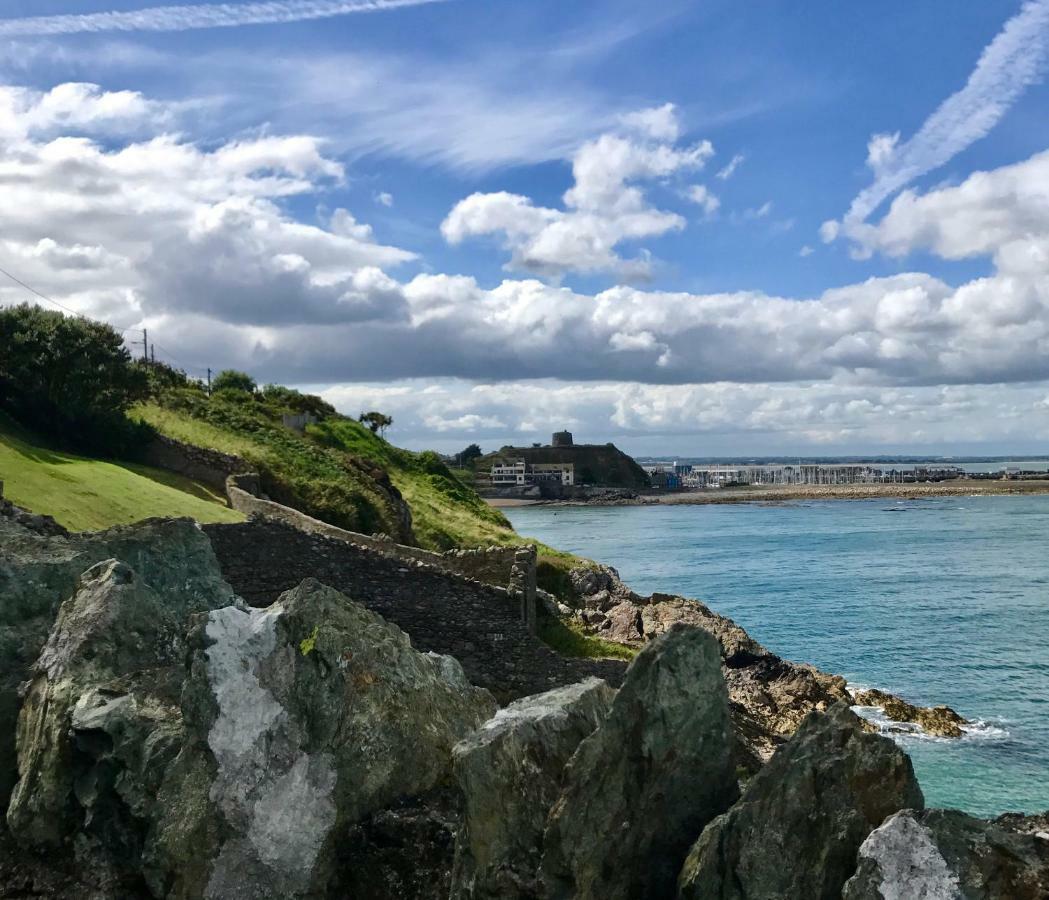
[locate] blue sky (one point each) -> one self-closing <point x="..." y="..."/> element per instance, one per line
<point x="672" y="301"/>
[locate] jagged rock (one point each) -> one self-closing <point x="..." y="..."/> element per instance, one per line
<point x="941" y="721"/>
<point x="797" y="827"/>
<point x="510" y="773"/>
<point x="404" y="851"/>
<point x="102" y="707"/>
<point x="639" y="790"/>
<point x="947" y="855"/>
<point x="302" y="719"/>
<point x="40" y="571"/>
<point x="769" y="695"/>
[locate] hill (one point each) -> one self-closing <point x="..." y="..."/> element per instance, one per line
<point x="337" y="470"/>
<point x="603" y="465"/>
<point x="83" y="494"/>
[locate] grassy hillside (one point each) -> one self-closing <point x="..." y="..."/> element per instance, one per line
<point x="336" y="471"/>
<point x="86" y="494"/>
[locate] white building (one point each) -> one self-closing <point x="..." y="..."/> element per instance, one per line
<point x="506" y="473"/>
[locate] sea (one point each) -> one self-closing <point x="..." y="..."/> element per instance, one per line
<point x="942" y="601"/>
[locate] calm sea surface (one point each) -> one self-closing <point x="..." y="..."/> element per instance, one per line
<point x="941" y="601"/>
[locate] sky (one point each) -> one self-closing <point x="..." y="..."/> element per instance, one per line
<point x="696" y="229"/>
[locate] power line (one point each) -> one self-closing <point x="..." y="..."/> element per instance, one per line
<point x="33" y="290"/>
<point x="74" y="312"/>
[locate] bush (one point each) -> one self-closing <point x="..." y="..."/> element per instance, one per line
<point x="231" y="378"/>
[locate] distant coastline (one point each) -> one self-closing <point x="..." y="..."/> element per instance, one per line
<point x="961" y="487"/>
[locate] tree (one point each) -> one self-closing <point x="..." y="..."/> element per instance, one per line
<point x="231" y="379"/>
<point x="376" y="421"/>
<point x="68" y="376"/>
<point x="465" y="457"/>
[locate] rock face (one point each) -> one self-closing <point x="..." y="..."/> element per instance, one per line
<point x="302" y="718"/>
<point x="769" y="695"/>
<point x="639" y="790"/>
<point x="100" y="710"/>
<point x="39" y="570"/>
<point x="801" y="819"/>
<point x="941" y="721"/>
<point x="510" y="774"/>
<point x="947" y="855"/>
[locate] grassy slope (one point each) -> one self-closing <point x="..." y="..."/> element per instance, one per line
<point x="85" y="494"/>
<point x="446" y="511"/>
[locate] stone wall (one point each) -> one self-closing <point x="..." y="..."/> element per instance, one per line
<point x="479" y="624"/>
<point x="513" y="568"/>
<point x="199" y="463"/>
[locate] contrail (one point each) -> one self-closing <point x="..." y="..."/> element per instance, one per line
<point x="1012" y="62"/>
<point x="184" y="18"/>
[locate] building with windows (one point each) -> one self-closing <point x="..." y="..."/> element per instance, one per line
<point x="510" y="472"/>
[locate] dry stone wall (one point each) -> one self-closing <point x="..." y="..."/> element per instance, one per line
<point x="511" y="567"/>
<point x="441" y="611"/>
<point x="199" y="463"/>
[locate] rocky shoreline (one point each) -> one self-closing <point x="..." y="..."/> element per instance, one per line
<point x="172" y="742"/>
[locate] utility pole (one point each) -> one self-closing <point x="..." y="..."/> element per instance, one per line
<point x="209" y="381"/>
<point x="152" y="354"/>
<point x="145" y="345"/>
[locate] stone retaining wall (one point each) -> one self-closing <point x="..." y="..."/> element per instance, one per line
<point x="513" y="568"/>
<point x="199" y="463"/>
<point x="479" y="624"/>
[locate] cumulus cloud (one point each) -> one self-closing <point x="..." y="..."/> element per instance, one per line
<point x="1005" y="211"/>
<point x="1012" y="62"/>
<point x="709" y="419"/>
<point x="198" y="243"/>
<point x="604" y="207"/>
<point x="161" y="225"/>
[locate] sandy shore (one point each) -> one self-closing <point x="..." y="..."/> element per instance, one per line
<point x="780" y="493"/>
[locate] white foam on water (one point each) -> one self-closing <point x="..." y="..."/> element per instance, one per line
<point x="901" y="732"/>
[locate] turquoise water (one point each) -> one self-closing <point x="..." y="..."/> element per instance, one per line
<point x="941" y="601"/>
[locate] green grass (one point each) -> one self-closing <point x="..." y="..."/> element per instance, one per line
<point x="86" y="494"/>
<point x="446" y="511"/>
<point x="568" y="639"/>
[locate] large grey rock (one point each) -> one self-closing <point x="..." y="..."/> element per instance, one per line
<point x="38" y="571"/>
<point x="510" y="774"/>
<point x="301" y="719"/>
<point x="947" y="855"/>
<point x="797" y="827"/>
<point x="770" y="696"/>
<point x="91" y="715"/>
<point x="639" y="790"/>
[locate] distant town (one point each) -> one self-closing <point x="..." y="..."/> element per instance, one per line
<point x="564" y="469"/>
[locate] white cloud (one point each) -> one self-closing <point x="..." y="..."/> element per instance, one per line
<point x="604" y="207"/>
<point x="659" y="122"/>
<point x="1005" y="211"/>
<point x="729" y="170"/>
<point x="384" y="198"/>
<point x="806" y="250"/>
<point x="205" y="15"/>
<point x="1012" y="62"/>
<point x="710" y="419"/>
<point x="196" y="242"/>
<point x="160" y="225"/>
<point x="701" y="196"/>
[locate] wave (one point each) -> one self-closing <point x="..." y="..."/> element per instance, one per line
<point x="974" y="730"/>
